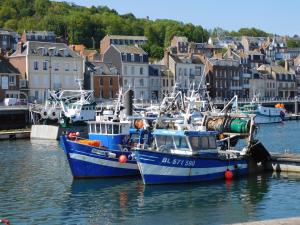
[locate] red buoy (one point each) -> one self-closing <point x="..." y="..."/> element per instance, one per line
<point x="5" y="221"/>
<point x="228" y="174"/>
<point x="122" y="158"/>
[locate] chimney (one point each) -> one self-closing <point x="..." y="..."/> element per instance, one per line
<point x="286" y="65"/>
<point x="166" y="58"/>
<point x="19" y="47"/>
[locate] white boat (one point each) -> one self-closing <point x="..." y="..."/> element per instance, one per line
<point x="263" y="114"/>
<point x="65" y="107"/>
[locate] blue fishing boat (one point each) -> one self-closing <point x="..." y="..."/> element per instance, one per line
<point x="104" y="154"/>
<point x="107" y="151"/>
<point x="181" y="156"/>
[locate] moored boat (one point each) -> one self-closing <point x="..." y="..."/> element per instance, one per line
<point x="104" y="154"/>
<point x="107" y="151"/>
<point x="187" y="156"/>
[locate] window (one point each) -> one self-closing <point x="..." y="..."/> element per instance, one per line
<point x="141" y="82"/>
<point x="125" y="70"/>
<point x="123" y="57"/>
<point x="185" y="72"/>
<point x="75" y="67"/>
<point x="12" y="80"/>
<point x="56" y="67"/>
<point x="125" y="82"/>
<point x="101" y="81"/>
<point x="36" y="65"/>
<point x="141" y="70"/>
<point x="132" y="70"/>
<point x="180" y="142"/>
<point x="45" y="65"/>
<point x="67" y="66"/>
<point x="110" y="81"/>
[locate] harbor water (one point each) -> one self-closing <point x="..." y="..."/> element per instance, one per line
<point x="36" y="187"/>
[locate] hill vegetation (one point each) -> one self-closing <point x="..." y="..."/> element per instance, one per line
<point x="82" y="25"/>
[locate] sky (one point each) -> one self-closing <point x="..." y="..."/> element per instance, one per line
<point x="273" y="16"/>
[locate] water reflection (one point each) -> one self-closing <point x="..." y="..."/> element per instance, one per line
<point x="128" y="201"/>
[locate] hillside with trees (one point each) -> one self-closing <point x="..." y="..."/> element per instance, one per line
<point x="82" y="25"/>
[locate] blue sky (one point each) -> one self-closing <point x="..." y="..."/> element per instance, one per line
<point x="273" y="16"/>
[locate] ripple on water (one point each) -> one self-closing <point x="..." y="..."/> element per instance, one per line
<point x="36" y="188"/>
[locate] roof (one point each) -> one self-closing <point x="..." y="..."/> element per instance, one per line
<point x="181" y="39"/>
<point x="6" y="67"/>
<point x="183" y="133"/>
<point x="131" y="49"/>
<point x="32" y="47"/>
<point x="276" y="69"/>
<point x="224" y="62"/>
<point x="253" y="53"/>
<point x="45" y="33"/>
<point x="125" y="37"/>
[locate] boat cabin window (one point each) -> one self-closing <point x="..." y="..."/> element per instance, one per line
<point x="165" y="140"/>
<point x="103" y="129"/>
<point x="202" y="143"/>
<point x="180" y="142"/>
<point x="116" y="129"/>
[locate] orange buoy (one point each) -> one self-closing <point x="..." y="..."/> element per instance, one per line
<point x="122" y="158"/>
<point x="228" y="174"/>
<point x="138" y="124"/>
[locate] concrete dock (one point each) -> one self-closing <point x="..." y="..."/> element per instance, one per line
<point x="15" y="134"/>
<point x="285" y="162"/>
<point x="284" y="221"/>
<point x="292" y="117"/>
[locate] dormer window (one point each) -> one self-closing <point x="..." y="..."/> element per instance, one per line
<point x="41" y="51"/>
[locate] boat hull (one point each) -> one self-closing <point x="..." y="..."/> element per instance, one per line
<point x="159" y="168"/>
<point x="91" y="162"/>
<point x="261" y="119"/>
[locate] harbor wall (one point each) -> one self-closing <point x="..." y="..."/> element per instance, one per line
<point x="13" y="118"/>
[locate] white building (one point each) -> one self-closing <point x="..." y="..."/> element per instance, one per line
<point x="47" y="66"/>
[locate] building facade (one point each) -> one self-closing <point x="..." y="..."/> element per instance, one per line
<point x="9" y="80"/>
<point x="47" y="66"/>
<point x="133" y="65"/>
<point x="109" y="40"/>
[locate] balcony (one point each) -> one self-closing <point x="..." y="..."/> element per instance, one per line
<point x="235" y="78"/>
<point x="246" y="86"/>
